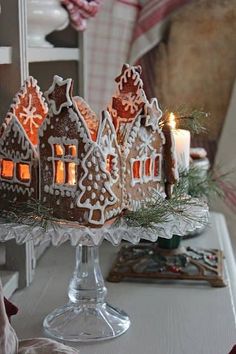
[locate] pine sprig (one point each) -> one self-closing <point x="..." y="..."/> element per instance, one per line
<point x="31" y="213"/>
<point x="193" y="120"/>
<point x="201" y="184"/>
<point x="159" y="210"/>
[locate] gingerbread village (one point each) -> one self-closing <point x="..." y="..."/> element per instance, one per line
<point x="85" y="168"/>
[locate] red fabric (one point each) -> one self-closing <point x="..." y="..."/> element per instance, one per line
<point x="11" y="309"/>
<point x="80" y="10"/>
<point x="233" y="351"/>
<point x="154" y="12"/>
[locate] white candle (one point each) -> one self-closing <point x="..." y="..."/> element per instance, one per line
<point x="182" y="145"/>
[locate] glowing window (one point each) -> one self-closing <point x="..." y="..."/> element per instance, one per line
<point x="7" y="169"/>
<point x="59" y="172"/>
<point x="58" y="150"/>
<point x="136" y="169"/>
<point x="23" y="172"/>
<point x="71" y="150"/>
<point x="156" y="166"/>
<point x="148" y="167"/>
<point x="109" y="163"/>
<point x="71" y="173"/>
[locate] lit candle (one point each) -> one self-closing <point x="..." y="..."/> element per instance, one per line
<point x="182" y="144"/>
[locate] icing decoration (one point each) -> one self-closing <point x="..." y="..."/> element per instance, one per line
<point x="30" y="109"/>
<point x="86" y="169"/>
<point x="153" y="114"/>
<point x="129" y="99"/>
<point x="59" y="94"/>
<point x="96" y="198"/>
<point x="88" y="115"/>
<point x="107" y="140"/>
<point x="18" y="163"/>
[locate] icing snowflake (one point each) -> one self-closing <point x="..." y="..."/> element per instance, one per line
<point x="131" y="102"/>
<point x="147" y="140"/>
<point x="29" y="115"/>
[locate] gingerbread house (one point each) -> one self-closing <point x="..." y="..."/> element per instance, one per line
<point x="19" y="142"/>
<point x="137" y="124"/>
<point x="82" y="167"/>
<point x="74" y="174"/>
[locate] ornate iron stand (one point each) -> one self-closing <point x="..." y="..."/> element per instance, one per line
<point x="148" y="261"/>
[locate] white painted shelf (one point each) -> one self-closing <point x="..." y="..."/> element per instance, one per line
<point x="9" y="282"/>
<point x="5" y="55"/>
<point x="53" y="54"/>
<point x="166" y="317"/>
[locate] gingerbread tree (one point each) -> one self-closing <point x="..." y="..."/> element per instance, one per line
<point x="30" y="108"/>
<point x="96" y="193"/>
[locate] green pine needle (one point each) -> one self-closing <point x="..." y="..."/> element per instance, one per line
<point x="193" y="120"/>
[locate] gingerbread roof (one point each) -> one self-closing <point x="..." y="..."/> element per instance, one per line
<point x="14" y="142"/>
<point x="129" y="98"/>
<point x="88" y="115"/>
<point x="60" y="97"/>
<point x="29" y="108"/>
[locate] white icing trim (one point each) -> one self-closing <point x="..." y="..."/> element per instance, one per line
<point x="29" y="82"/>
<point x="63" y="142"/>
<point x="95" y="149"/>
<point x="15" y="126"/>
<point x="58" y="81"/>
<point x="108" y="144"/>
<point x="153" y="114"/>
<point x="16" y="188"/>
<point x="142" y="169"/>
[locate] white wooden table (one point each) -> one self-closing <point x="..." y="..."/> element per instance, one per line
<point x="167" y="318"/>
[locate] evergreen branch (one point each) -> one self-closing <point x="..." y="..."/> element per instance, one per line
<point x="32" y="213"/>
<point x="194" y="121"/>
<point x="204" y="184"/>
<point x="159" y="210"/>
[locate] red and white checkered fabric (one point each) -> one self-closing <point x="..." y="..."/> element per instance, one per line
<point x="151" y="24"/>
<point x="108" y="43"/>
<point x="123" y="31"/>
<point x="80" y="10"/>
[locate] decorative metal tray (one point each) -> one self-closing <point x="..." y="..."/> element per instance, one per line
<point x="149" y="262"/>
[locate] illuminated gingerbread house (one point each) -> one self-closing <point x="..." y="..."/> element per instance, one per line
<point x="19" y="142"/>
<point x="84" y="168"/>
<point x="137" y="124"/>
<point x="75" y="177"/>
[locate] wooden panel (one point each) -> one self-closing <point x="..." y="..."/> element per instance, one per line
<point x="5" y="55"/>
<point x="13" y="34"/>
<point x="52" y="54"/>
<point x="10" y="281"/>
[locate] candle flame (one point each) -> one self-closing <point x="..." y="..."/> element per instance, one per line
<point x="172" y="121"/>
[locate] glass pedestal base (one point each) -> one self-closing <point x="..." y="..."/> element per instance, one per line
<point x="86" y="317"/>
<point x="85" y="323"/>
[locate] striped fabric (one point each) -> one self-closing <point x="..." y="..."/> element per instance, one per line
<point x="123" y="31"/>
<point x="152" y="21"/>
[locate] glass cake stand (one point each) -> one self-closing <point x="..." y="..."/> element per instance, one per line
<point x="87" y="317"/>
